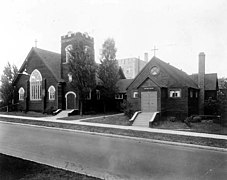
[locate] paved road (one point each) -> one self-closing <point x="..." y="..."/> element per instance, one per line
<point x="111" y="157"/>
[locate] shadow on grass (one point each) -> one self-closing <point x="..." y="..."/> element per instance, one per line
<point x="12" y="168"/>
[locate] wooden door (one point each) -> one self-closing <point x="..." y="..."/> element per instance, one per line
<point x="71" y="101"/>
<point x="149" y="101"/>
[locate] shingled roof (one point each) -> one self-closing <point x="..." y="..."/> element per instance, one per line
<point x="181" y="78"/>
<point x="52" y="60"/>
<point x="122" y="84"/>
<point x="211" y="80"/>
<point x="176" y="77"/>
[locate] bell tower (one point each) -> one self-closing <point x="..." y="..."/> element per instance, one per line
<point x="67" y="43"/>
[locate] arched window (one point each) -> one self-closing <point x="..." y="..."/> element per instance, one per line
<point x="51" y="92"/>
<point x="21" y="94"/>
<point x="35" y="85"/>
<point x="68" y="54"/>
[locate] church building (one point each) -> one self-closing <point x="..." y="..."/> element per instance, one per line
<point x="43" y="81"/>
<point x="160" y="87"/>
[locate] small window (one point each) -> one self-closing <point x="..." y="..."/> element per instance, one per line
<point x="68" y="53"/>
<point x="51" y="92"/>
<point x="191" y="94"/>
<point x="118" y="96"/>
<point x="196" y="94"/>
<point x="21" y="94"/>
<point x="174" y="93"/>
<point x="97" y="94"/>
<point x="88" y="97"/>
<point x="70" y="77"/>
<point x="135" y="94"/>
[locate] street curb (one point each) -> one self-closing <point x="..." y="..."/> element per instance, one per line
<point x="152" y="130"/>
<point x="125" y="137"/>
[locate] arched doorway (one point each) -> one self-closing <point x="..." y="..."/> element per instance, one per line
<point x="71" y="101"/>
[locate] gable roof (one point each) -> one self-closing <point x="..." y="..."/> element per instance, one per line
<point x="176" y="77"/>
<point x="52" y="60"/>
<point x="211" y="80"/>
<point x="122" y="84"/>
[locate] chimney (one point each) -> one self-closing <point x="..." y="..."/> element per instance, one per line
<point x="201" y="82"/>
<point x="146" y="57"/>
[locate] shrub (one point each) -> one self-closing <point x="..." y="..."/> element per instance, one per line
<point x="127" y="108"/>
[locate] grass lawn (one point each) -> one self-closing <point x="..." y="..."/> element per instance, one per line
<point x="27" y="114"/>
<point x="202" y="127"/>
<point x="205" y="127"/>
<point x="116" y="120"/>
<point x="77" y="117"/>
<point x="148" y="135"/>
<point x="12" y="168"/>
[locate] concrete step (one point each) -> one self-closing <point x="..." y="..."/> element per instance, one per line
<point x="143" y="119"/>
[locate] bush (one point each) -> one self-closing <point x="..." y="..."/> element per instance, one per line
<point x="50" y="110"/>
<point x="212" y="107"/>
<point x="127" y="108"/>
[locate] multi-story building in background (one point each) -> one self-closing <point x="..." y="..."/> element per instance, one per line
<point x="132" y="66"/>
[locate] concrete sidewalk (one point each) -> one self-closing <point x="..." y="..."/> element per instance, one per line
<point x="153" y="130"/>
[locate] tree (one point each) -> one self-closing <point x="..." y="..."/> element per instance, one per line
<point x="108" y="71"/>
<point x="6" y="89"/>
<point x="83" y="70"/>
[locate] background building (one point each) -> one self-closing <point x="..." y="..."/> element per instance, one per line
<point x="132" y="66"/>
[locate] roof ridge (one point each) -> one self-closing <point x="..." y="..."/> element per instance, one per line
<point x="47" y="65"/>
<point x="35" y="48"/>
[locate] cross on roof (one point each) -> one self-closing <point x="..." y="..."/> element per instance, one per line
<point x="154" y="50"/>
<point x="36" y="42"/>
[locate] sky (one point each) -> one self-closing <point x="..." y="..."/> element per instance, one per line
<point x="180" y="29"/>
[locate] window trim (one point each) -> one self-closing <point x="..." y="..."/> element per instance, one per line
<point x="135" y="94"/>
<point x="68" y="48"/>
<point x="175" y="90"/>
<point x="53" y="93"/>
<point x="21" y="94"/>
<point x="35" y="86"/>
<point x="119" y="96"/>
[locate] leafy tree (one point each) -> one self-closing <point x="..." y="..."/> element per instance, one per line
<point x="83" y="69"/>
<point x="108" y="71"/>
<point x="6" y="89"/>
<point x="121" y="74"/>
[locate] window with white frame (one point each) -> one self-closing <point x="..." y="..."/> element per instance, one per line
<point x="118" y="96"/>
<point x="68" y="51"/>
<point x="175" y="93"/>
<point x="21" y="94"/>
<point x="135" y="94"/>
<point x="35" y="85"/>
<point x="98" y="94"/>
<point x="51" y="92"/>
<point x="70" y="77"/>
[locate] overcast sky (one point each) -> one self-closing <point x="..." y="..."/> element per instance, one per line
<point x="180" y="29"/>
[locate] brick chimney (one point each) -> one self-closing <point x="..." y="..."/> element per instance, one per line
<point x="201" y="82"/>
<point x="146" y="57"/>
